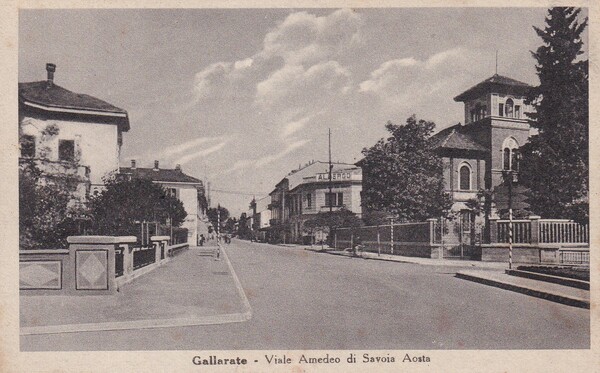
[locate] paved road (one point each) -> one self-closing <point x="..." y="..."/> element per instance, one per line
<point x="307" y="300"/>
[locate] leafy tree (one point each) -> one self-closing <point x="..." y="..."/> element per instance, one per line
<point x="324" y="221"/>
<point x="244" y="230"/>
<point x="403" y="175"/>
<point x="45" y="217"/>
<point x="212" y="215"/>
<point x="555" y="163"/>
<point x="124" y="202"/>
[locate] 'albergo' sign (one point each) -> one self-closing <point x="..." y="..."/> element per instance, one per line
<point x="335" y="176"/>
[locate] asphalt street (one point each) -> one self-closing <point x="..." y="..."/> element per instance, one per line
<point x="304" y="300"/>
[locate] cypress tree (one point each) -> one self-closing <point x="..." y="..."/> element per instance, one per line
<point x="555" y="163"/>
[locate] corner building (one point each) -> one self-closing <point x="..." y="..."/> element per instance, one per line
<point x="304" y="192"/>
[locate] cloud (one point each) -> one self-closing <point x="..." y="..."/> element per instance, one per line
<point x="304" y="38"/>
<point x="246" y="164"/>
<point x="180" y="148"/>
<point x="294" y="85"/>
<point x="291" y="128"/>
<point x="201" y="153"/>
<point x="421" y="85"/>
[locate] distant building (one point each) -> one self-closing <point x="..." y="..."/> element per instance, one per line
<point x="260" y="217"/>
<point x="305" y="192"/>
<point x="68" y="134"/>
<point x="187" y="189"/>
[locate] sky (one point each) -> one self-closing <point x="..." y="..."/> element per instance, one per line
<point x="240" y="97"/>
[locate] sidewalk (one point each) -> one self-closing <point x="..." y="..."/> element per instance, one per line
<point x="192" y="289"/>
<point x="535" y="288"/>
<point x="409" y="259"/>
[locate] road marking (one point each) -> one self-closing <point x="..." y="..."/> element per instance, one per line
<point x="238" y="285"/>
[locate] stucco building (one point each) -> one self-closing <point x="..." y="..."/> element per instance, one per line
<point x="188" y="189"/>
<point x="304" y="193"/>
<point x="69" y="134"/>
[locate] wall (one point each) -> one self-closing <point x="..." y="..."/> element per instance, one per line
<point x="188" y="194"/>
<point x="502" y="128"/>
<point x="97" y="143"/>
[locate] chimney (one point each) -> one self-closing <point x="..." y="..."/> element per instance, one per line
<point x="155" y="165"/>
<point x="50" y="68"/>
<point x="178" y="167"/>
<point x="133" y="164"/>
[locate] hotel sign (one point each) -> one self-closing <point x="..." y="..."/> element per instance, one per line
<point x="335" y="176"/>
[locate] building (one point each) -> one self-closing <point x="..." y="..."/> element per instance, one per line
<point x="305" y="192"/>
<point x="68" y="134"/>
<point x="187" y="189"/>
<point x="476" y="154"/>
<point x="260" y="217"/>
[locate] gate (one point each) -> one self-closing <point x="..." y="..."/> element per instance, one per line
<point x="462" y="237"/>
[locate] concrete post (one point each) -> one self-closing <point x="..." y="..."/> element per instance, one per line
<point x="127" y="260"/>
<point x="159" y="243"/>
<point x="534" y="225"/>
<point x="93" y="263"/>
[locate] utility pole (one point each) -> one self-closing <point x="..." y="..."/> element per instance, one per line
<point x="510" y="219"/>
<point x="330" y="169"/>
<point x="330" y="188"/>
<point x="219" y="222"/>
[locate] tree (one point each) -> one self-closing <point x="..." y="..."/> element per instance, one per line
<point x="403" y="175"/>
<point x="555" y="164"/>
<point x="119" y="208"/>
<point x="324" y="221"/>
<point x="45" y="217"/>
<point x="212" y="215"/>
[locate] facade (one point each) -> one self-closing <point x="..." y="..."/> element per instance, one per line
<point x="304" y="192"/>
<point x="187" y="189"/>
<point x="67" y="134"/>
<point x="260" y="217"/>
<point x="476" y="154"/>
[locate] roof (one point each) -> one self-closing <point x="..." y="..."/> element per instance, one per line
<point x="308" y="173"/>
<point x="451" y="138"/>
<point x="496" y="83"/>
<point x="160" y="175"/>
<point x="48" y="96"/>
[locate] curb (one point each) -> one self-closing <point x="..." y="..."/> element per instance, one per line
<point x="153" y="323"/>
<point x="400" y="259"/>
<point x="565" y="281"/>
<point x="570" y="301"/>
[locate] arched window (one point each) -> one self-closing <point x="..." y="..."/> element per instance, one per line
<point x="510" y="154"/>
<point x="464" y="180"/>
<point x="509" y="108"/>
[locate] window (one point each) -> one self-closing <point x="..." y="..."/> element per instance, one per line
<point x="517" y="111"/>
<point x="514" y="161"/>
<point x="501" y="110"/>
<point x="66" y="150"/>
<point x="509" y="108"/>
<point x="172" y="192"/>
<point x="28" y="146"/>
<point x="465" y="178"/>
<point x="510" y="154"/>
<point x="309" y="201"/>
<point x="506" y="159"/>
<point x="334" y="199"/>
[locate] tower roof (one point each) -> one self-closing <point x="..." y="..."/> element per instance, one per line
<point x="496" y="84"/>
